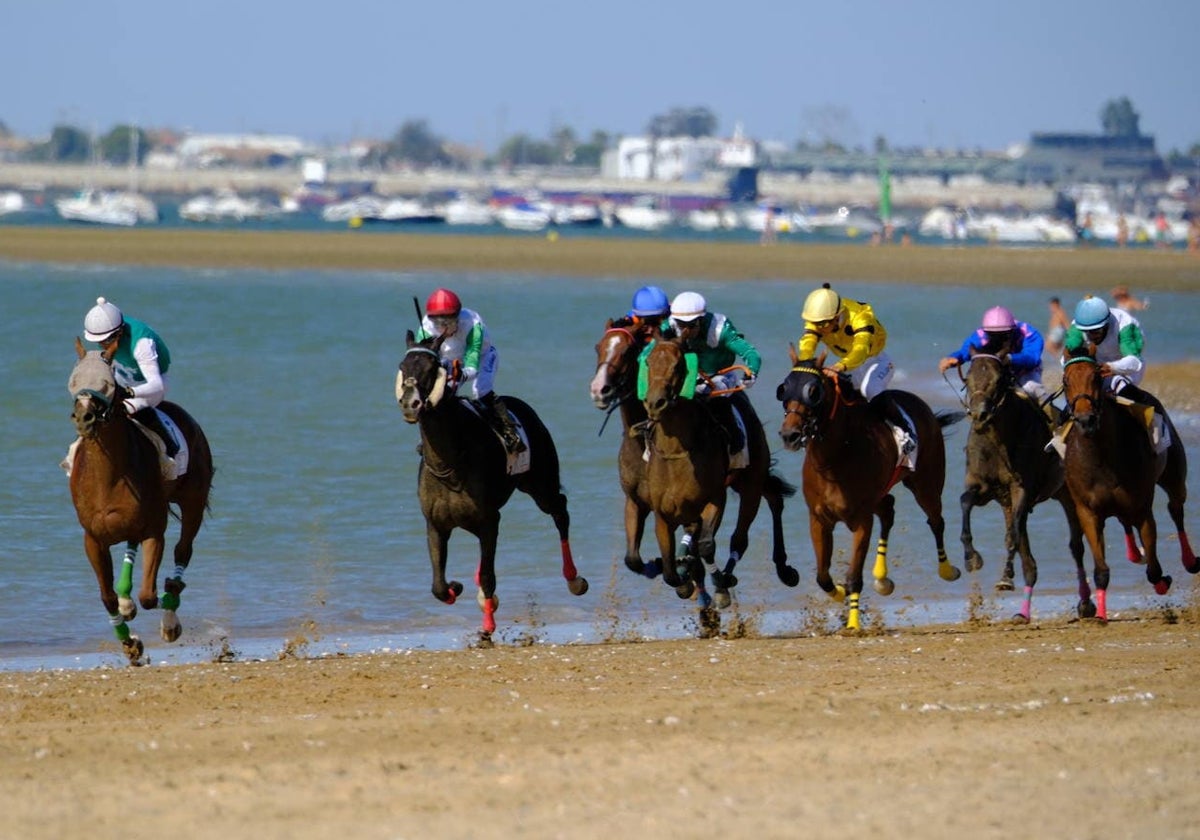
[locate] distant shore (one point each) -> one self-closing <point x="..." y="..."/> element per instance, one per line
<point x="786" y="188"/>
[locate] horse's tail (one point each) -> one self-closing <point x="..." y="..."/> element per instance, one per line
<point x="778" y="484"/>
<point x="949" y="416"/>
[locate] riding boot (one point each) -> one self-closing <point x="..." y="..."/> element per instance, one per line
<point x="502" y="421"/>
<point x="149" y="418"/>
<point x="722" y="408"/>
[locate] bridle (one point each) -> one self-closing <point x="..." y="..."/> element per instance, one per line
<point x="811" y="423"/>
<point x="1094" y="400"/>
<point x="1004" y="387"/>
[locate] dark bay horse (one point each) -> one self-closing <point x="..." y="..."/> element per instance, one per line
<point x="1111" y="469"/>
<point x="614" y="386"/>
<point x="851" y="466"/>
<point x="120" y="495"/>
<point x="463" y="480"/>
<point x="1007" y="462"/>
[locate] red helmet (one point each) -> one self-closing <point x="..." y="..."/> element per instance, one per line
<point x="443" y="302"/>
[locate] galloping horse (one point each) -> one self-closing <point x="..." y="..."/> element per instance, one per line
<point x="463" y="480"/>
<point x="120" y="496"/>
<point x="1007" y="462"/>
<point x="615" y="385"/>
<point x="686" y="472"/>
<point x="1111" y="470"/>
<point x="851" y="466"/>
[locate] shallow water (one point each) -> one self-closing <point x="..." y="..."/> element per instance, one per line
<point x="316" y="545"/>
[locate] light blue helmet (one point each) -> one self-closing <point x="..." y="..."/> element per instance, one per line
<point x="649" y="301"/>
<point x="1091" y="313"/>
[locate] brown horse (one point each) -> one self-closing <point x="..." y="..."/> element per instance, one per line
<point x="120" y="496"/>
<point x="851" y="466"/>
<point x="1007" y="462"/>
<point x="686" y="471"/>
<point x="1111" y="470"/>
<point x="615" y="386"/>
<point x="463" y="480"/>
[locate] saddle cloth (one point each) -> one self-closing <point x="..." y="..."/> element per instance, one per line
<point x="906" y="441"/>
<point x="738" y="461"/>
<point x="172" y="468"/>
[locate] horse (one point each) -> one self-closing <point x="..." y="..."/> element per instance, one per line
<point x="1007" y="462"/>
<point x="1111" y="470"/>
<point x="851" y="466"/>
<point x="615" y="386"/>
<point x="120" y="495"/>
<point x="463" y="480"/>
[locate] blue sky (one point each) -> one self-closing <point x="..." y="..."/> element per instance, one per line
<point x="920" y="73"/>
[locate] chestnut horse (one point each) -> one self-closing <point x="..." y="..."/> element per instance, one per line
<point x="120" y="495"/>
<point x="1007" y="462"/>
<point x="615" y="386"/>
<point x="1111" y="470"/>
<point x="851" y="466"/>
<point x="463" y="480"/>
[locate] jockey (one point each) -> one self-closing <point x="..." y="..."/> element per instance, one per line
<point x="717" y="345"/>
<point x="1001" y="332"/>
<point x="140" y="364"/>
<point x="649" y="308"/>
<point x="1118" y="340"/>
<point x="468" y="355"/>
<point x="848" y="328"/>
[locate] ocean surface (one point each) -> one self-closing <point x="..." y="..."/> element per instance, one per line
<point x="315" y="544"/>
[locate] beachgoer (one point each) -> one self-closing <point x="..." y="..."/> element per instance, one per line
<point x="718" y="345"/>
<point x="999" y="333"/>
<point x="468" y="355"/>
<point x="1056" y="331"/>
<point x="1126" y="301"/>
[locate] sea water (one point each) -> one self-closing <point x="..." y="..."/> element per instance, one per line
<point x="315" y="543"/>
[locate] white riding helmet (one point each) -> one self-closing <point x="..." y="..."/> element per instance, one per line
<point x="102" y="320"/>
<point x="688" y="306"/>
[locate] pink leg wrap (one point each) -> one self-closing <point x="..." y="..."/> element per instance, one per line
<point x="568" y="566"/>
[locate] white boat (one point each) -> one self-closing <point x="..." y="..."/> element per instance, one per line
<point x="226" y="206"/>
<point x="12" y="201"/>
<point x="466" y="210"/>
<point x="409" y="211"/>
<point x="644" y="214"/>
<point x="361" y="208"/>
<point x="104" y="207"/>
<point x="1038" y="227"/>
<point x="523" y="216"/>
<point x="850" y="222"/>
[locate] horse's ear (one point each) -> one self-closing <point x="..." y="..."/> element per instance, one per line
<point x="108" y="352"/>
<point x="793" y="354"/>
<point x="608" y="325"/>
<point x="79" y="349"/>
<point x="409" y="338"/>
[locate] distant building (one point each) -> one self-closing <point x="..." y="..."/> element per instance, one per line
<point x="1063" y="158"/>
<point x="240" y="149"/>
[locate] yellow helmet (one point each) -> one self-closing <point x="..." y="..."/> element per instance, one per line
<point x="824" y="304"/>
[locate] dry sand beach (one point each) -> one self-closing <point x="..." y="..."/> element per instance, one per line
<point x="1057" y="729"/>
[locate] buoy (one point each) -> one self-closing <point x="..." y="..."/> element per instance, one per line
<point x="356" y="222"/>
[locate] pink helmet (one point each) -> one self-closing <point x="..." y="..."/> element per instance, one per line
<point x="998" y="319"/>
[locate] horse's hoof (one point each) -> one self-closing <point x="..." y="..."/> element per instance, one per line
<point x="652" y="569"/>
<point x="788" y="576"/>
<point x="724" y="580"/>
<point x="578" y="586"/>
<point x="1020" y="618"/>
<point x="973" y="561"/>
<point x="1004" y="585"/>
<point x="134" y="649"/>
<point x="171" y="627"/>
<point x="685" y="590"/>
<point x="947" y="572"/>
<point x="1163" y="585"/>
<point x="1086" y="609"/>
<point x="721" y="599"/>
<point x="884" y="586"/>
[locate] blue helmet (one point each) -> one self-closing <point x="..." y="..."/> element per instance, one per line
<point x="650" y="300"/>
<point x="1091" y="313"/>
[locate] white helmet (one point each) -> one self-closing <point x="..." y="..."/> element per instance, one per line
<point x="102" y="321"/>
<point x="688" y="306"/>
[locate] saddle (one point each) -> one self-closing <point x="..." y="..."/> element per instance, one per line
<point x="172" y="467"/>
<point x="515" y="462"/>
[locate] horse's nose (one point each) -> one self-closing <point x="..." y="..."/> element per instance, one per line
<point x="657" y="406"/>
<point x="790" y="437"/>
